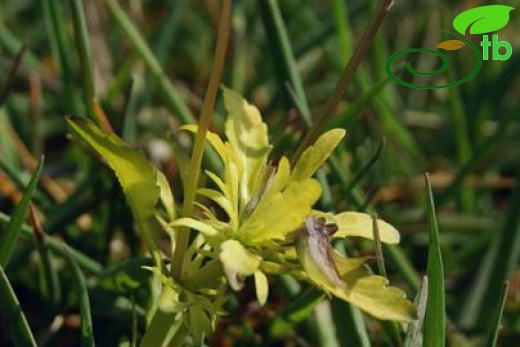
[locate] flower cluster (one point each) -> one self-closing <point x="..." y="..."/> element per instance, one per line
<point x="270" y="226"/>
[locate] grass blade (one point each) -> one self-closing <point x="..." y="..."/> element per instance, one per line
<point x="434" y="322"/>
<point x="351" y="329"/>
<point x="283" y="53"/>
<point x="87" y="334"/>
<point x="61" y="48"/>
<point x="54" y="244"/>
<point x="85" y="57"/>
<point x="495" y="326"/>
<point x="168" y="91"/>
<point x="296" y="312"/>
<point x="498" y="264"/>
<point x="10" y="307"/>
<point x="9" y="238"/>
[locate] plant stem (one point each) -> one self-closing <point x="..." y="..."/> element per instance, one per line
<point x="346" y="78"/>
<point x="183" y="235"/>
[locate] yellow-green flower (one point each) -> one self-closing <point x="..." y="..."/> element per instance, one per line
<point x="270" y="225"/>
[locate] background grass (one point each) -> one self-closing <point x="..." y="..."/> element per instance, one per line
<point x="148" y="63"/>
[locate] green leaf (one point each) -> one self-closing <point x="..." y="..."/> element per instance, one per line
<point x="135" y="174"/>
<point x="314" y="156"/>
<point x="434" y="322"/>
<point x="128" y="276"/>
<point x="199" y="324"/>
<point x="360" y="225"/>
<point x="247" y="134"/>
<point x="9" y="238"/>
<point x="297" y="311"/>
<point x="14" y="318"/>
<point x="483" y="19"/>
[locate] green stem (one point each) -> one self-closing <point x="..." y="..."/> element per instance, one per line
<point x="183" y="236"/>
<point x="163" y="321"/>
<point x="345" y="79"/>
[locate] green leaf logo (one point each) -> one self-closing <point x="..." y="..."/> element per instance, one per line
<point x="483" y="19"/>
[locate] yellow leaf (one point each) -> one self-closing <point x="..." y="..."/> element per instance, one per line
<point x="451" y="45"/>
<point x="204" y="228"/>
<point x="214" y="140"/>
<point x="368" y="292"/>
<point x="165" y="195"/>
<point x="360" y="225"/>
<point x="247" y="134"/>
<point x="373" y="295"/>
<point x="138" y="178"/>
<point x="280" y="213"/>
<point x="314" y="156"/>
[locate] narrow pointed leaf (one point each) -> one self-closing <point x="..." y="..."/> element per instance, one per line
<point x="10" y="236"/>
<point x="434" y="322"/>
<point x="87" y="333"/>
<point x="204" y="228"/>
<point x="494" y="327"/>
<point x="15" y="318"/>
<point x="314" y="156"/>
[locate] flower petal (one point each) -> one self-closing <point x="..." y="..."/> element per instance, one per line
<point x="261" y="286"/>
<point x="238" y="262"/>
<point x="360" y="224"/>
<point x="316" y="254"/>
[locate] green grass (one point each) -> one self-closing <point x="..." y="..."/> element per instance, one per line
<point x="149" y="65"/>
